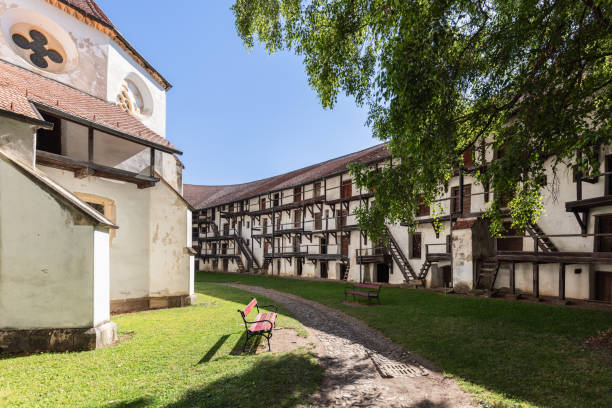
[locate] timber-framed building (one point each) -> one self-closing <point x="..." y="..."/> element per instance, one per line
<point x="302" y="223"/>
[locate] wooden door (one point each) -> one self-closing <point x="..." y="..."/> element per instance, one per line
<point x="323" y="246"/>
<point x="225" y="265"/>
<point x="345" y="245"/>
<point x="266" y="247"/>
<point x="318" y="221"/>
<point x="447" y="276"/>
<point x="324" y="269"/>
<point x="264" y="229"/>
<point x="297" y="219"/>
<point x="299" y="267"/>
<point x="603" y="286"/>
<point x="341" y="218"/>
<point x="382" y="273"/>
<point x="347" y="189"/>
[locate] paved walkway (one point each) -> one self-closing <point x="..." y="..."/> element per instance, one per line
<point x="362" y="367"/>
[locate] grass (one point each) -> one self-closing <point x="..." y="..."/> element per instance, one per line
<point x="507" y="354"/>
<point x="173" y="358"/>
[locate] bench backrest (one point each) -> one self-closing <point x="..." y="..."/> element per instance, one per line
<point x="249" y="307"/>
<point x="367" y="286"/>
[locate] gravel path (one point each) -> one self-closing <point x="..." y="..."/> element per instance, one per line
<point x="362" y="367"/>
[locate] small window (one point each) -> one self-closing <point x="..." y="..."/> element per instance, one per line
<point x="276" y="200"/>
<point x="297" y="194"/>
<point x="50" y="140"/>
<point x="467" y="199"/>
<point x="468" y="160"/>
<point x="317" y="189"/>
<point x="603" y="225"/>
<point x="248" y="224"/>
<point x="98" y="207"/>
<point x="415" y="245"/>
<point x="510" y="244"/>
<point x="422" y="210"/>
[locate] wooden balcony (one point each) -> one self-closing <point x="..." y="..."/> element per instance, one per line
<point x="83" y="169"/>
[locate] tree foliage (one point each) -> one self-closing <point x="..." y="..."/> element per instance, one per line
<point x="530" y="78"/>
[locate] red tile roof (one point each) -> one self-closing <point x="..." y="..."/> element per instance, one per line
<point x="19" y="88"/>
<point x="210" y="196"/>
<point x="89" y="8"/>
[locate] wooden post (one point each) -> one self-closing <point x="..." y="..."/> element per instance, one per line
<point x="460" y="193"/>
<point x="536" y="272"/>
<point x="152" y="170"/>
<point x="561" y="281"/>
<point x="90" y="145"/>
<point x="513" y="278"/>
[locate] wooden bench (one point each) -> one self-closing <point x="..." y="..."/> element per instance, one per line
<point x="261" y="326"/>
<point x="363" y="290"/>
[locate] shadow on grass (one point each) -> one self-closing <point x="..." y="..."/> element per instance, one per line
<point x="134" y="403"/>
<point x="213" y="350"/>
<point x="249" y="349"/>
<point x="274" y="381"/>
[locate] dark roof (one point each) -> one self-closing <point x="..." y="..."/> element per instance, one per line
<point x="20" y="89"/>
<point x="210" y="196"/>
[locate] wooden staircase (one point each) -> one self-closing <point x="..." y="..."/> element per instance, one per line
<point x="544" y="243"/>
<point x="215" y="229"/>
<point x="266" y="264"/>
<point x="251" y="260"/>
<point x="398" y="256"/>
<point x="487" y="274"/>
<point x="346" y="272"/>
<point x="241" y="268"/>
<point x="424" y="269"/>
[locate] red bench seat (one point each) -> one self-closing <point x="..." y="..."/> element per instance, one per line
<point x="363" y="290"/>
<point x="261" y="326"/>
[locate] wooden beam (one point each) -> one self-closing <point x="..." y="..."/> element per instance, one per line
<point x="562" y="281"/>
<point x="536" y="279"/>
<point x="152" y="169"/>
<point x="90" y="145"/>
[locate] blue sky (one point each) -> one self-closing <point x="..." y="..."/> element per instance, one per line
<point x="238" y="115"/>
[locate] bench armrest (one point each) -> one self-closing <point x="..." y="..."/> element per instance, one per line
<point x="269" y="306"/>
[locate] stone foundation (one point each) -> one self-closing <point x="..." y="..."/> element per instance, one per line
<point x="58" y="340"/>
<point x="147" y="303"/>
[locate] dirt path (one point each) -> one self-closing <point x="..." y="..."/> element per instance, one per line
<point x="362" y="367"/>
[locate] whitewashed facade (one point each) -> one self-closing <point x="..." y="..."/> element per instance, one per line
<point x="554" y="258"/>
<point x="92" y="221"/>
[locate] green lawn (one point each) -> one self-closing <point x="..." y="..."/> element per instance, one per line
<point x="174" y="358"/>
<point x="506" y="353"/>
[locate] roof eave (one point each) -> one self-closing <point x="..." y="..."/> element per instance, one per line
<point x="102" y="128"/>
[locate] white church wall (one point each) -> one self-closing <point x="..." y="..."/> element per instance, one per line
<point x="85" y="48"/>
<point x="47" y="257"/>
<point x="18" y="138"/>
<point x="101" y="292"/>
<point x="169" y="262"/>
<point x="129" y="257"/>
<point x="122" y="67"/>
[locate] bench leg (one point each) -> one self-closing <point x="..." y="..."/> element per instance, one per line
<point x="245" y="342"/>
<point x="268" y="337"/>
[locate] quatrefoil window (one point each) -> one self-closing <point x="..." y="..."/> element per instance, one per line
<point x="38" y="45"/>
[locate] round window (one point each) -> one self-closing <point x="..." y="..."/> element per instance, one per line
<point x="129" y="98"/>
<point x="38" y="40"/>
<point x="38" y="47"/>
